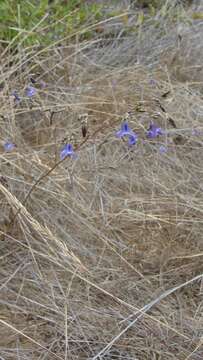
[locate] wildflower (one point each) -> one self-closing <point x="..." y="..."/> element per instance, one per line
<point x="127" y="131"/>
<point x="132" y="139"/>
<point x="9" y="146"/>
<point x="67" y="150"/>
<point x="162" y="149"/>
<point x="154" y="131"/>
<point x="16" y="96"/>
<point x="152" y="82"/>
<point x="42" y="84"/>
<point x="30" y="91"/>
<point x="196" y="132"/>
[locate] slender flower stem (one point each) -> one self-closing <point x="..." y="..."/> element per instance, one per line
<point x="47" y="173"/>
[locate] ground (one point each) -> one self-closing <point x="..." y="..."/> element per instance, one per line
<point x="101" y="251"/>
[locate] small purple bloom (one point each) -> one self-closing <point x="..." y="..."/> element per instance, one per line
<point x="127" y="131"/>
<point x="152" y="82"/>
<point x="8" y="146"/>
<point x="162" y="149"/>
<point x="154" y="131"/>
<point x="132" y="139"/>
<point x="16" y="96"/>
<point x="196" y="132"/>
<point x="30" y="91"/>
<point x="42" y="84"/>
<point x="67" y="150"/>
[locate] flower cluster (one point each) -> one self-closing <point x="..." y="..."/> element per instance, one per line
<point x="30" y="91"/>
<point x="124" y="132"/>
<point x="153" y="132"/>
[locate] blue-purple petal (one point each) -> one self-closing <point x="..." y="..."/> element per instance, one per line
<point x="154" y="131"/>
<point x="119" y="134"/>
<point x="67" y="150"/>
<point x="162" y="149"/>
<point x="125" y="127"/>
<point x="125" y="130"/>
<point x="132" y="139"/>
<point x="30" y="91"/>
<point x="9" y="146"/>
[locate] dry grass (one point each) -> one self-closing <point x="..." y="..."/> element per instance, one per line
<point x="103" y="258"/>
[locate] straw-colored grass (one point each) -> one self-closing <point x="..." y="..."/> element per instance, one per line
<point x="101" y="256"/>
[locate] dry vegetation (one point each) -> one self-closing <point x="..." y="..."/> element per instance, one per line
<point x="101" y="257"/>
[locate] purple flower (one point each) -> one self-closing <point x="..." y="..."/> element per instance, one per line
<point x="16" y="96"/>
<point x="132" y="139"/>
<point x="196" y="132"/>
<point x="127" y="131"/>
<point x="152" y="82"/>
<point x="42" y="84"/>
<point x="162" y="149"/>
<point x="30" y="91"/>
<point x="154" y="131"/>
<point x="9" y="146"/>
<point x="67" y="150"/>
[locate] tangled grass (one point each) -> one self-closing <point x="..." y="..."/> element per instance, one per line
<point x="101" y="256"/>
